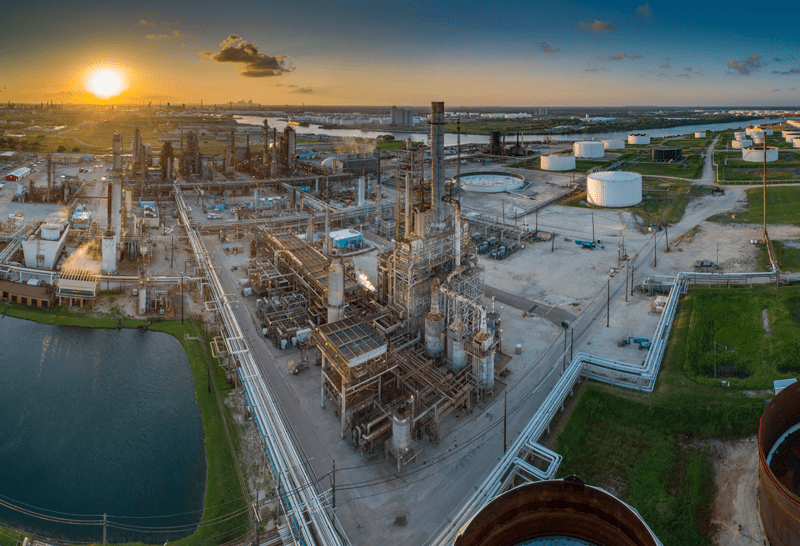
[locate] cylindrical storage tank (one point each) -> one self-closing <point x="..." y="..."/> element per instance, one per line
<point x="756" y="155"/>
<point x="790" y="136"/>
<point x="639" y="139"/>
<point x="51" y="232"/>
<point x="332" y="163"/>
<point x="753" y="134"/>
<point x="778" y="468"/>
<point x="401" y="431"/>
<point x="109" y="252"/>
<point x="558" y="162"/>
<point x="117" y="151"/>
<point x="700" y="134"/>
<point x="796" y="142"/>
<point x="486" y="372"/>
<point x="751" y="130"/>
<point x="757" y="139"/>
<point x="129" y="200"/>
<point x="739" y="135"/>
<point x="614" y="189"/>
<point x="434" y="334"/>
<point x="564" y="511"/>
<point x="613" y="144"/>
<point x="589" y="149"/>
<point x="743" y="143"/>
<point x="142" y="300"/>
<point x="768" y="132"/>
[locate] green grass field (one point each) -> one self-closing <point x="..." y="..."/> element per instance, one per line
<point x="223" y="496"/>
<point x="647" y="448"/>
<point x="690" y="167"/>
<point x="783" y="207"/>
<point x="788" y="257"/>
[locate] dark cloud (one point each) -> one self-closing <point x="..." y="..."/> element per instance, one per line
<point x="544" y="46"/>
<point x="792" y="88"/>
<point x="620" y="56"/>
<point x="596" y="69"/>
<point x="778" y="59"/>
<point x="775" y="90"/>
<point x="683" y="76"/>
<point x="645" y="10"/>
<point x="793" y="70"/>
<point x="246" y="54"/>
<point x="303" y="91"/>
<point x="285" y="85"/>
<point x="750" y="64"/>
<point x="597" y="26"/>
<point x="663" y="75"/>
<point x="687" y="68"/>
<point x="665" y="65"/>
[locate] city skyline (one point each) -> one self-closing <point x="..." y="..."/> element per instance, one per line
<point x="552" y="53"/>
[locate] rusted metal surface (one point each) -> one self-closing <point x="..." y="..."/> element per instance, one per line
<point x="779" y="506"/>
<point x="556" y="508"/>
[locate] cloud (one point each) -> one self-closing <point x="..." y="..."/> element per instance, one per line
<point x="778" y="59"/>
<point x="793" y="70"/>
<point x="775" y="90"/>
<point x="752" y="63"/>
<point x="174" y="34"/>
<point x="620" y="56"/>
<point x="687" y="68"/>
<point x="303" y="91"/>
<point x="142" y="21"/>
<point x="645" y="10"/>
<point x="792" y="88"/>
<point x="683" y="76"/>
<point x="663" y="75"/>
<point x="246" y="54"/>
<point x="544" y="46"/>
<point x="665" y="65"/>
<point x="285" y="85"/>
<point x="597" y="26"/>
<point x="596" y="69"/>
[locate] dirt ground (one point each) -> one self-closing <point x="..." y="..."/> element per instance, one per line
<point x="736" y="504"/>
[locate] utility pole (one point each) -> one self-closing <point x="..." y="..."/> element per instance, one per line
<point x="553" y="242"/>
<point x="627" y="268"/>
<point x="765" y="191"/>
<point x="633" y="270"/>
<point x="104" y="516"/>
<point x="258" y="518"/>
<point x="536" y="213"/>
<point x="181" y="297"/>
<point x="666" y="236"/>
<point x="172" y="259"/>
<point x="593" y="240"/>
<point x="505" y="401"/>
<point x="655" y="254"/>
<point x="608" y="300"/>
<point x="717" y="255"/>
<point x="571" y="342"/>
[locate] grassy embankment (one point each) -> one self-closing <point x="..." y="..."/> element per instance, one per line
<point x="737" y="170"/>
<point x="783" y="207"/>
<point x="223" y="494"/>
<point x="648" y="449"/>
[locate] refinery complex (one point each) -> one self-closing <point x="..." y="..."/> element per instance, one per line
<point x="410" y="318"/>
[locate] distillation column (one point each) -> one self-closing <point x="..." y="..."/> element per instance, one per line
<point x="437" y="163"/>
<point x="335" y="291"/>
<point x="434" y="325"/>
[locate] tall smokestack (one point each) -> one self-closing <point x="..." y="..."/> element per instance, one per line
<point x="437" y="162"/>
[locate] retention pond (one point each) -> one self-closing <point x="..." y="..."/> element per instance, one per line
<point x="97" y="422"/>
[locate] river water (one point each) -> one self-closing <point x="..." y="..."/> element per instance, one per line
<point x="94" y="422"/>
<point x="451" y="138"/>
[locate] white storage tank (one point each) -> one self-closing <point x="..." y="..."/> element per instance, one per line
<point x="739" y="135"/>
<point x="796" y="142"/>
<point x="756" y="155"/>
<point x="558" y="162"/>
<point x="109" y="253"/>
<point x="741" y="143"/>
<point x="638" y="139"/>
<point x="758" y="139"/>
<point x="613" y="144"/>
<point x="589" y="149"/>
<point x="700" y="134"/>
<point x="51" y="232"/>
<point x="614" y="189"/>
<point x="332" y="163"/>
<point x="751" y="130"/>
<point x="768" y="132"/>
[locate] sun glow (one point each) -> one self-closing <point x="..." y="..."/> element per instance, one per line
<point x="106" y="83"/>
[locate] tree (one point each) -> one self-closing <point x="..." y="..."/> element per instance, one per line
<point x="61" y="149"/>
<point x="76" y="150"/>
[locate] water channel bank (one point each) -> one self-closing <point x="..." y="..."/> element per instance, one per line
<point x="219" y="499"/>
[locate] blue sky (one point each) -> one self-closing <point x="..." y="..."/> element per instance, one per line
<point x="550" y="53"/>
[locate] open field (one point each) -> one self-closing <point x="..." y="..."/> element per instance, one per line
<point x="691" y="166"/>
<point x="783" y="207"/>
<point x="755" y="333"/>
<point x="788" y="256"/>
<point x="652" y="450"/>
<point x="224" y="514"/>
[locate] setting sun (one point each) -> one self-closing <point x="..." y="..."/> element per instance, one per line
<point x="105" y="83"/>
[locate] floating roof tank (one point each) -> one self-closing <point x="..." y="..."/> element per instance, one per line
<point x="639" y="139"/>
<point x="742" y="143"/>
<point x="700" y="134"/>
<point x="779" y="467"/>
<point x="756" y="155"/>
<point x="613" y="144"/>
